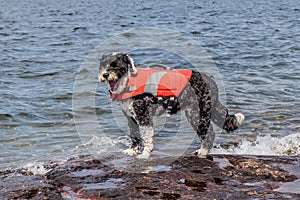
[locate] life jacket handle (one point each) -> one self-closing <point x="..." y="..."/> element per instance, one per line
<point x="156" y="65"/>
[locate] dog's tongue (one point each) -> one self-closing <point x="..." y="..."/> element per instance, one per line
<point x="113" y="84"/>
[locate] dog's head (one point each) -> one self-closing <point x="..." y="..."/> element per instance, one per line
<point x="115" y="69"/>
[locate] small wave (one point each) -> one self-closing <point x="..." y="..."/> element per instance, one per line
<point x="265" y="145"/>
<point x="5" y="116"/>
<point x="101" y="145"/>
<point x="38" y="75"/>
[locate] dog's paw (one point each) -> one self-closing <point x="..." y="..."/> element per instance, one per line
<point x="144" y="155"/>
<point x="130" y="152"/>
<point x="239" y="118"/>
<point x="201" y="153"/>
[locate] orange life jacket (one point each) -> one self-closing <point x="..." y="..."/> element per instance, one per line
<point x="158" y="82"/>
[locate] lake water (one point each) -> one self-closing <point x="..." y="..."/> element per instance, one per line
<point x="44" y="44"/>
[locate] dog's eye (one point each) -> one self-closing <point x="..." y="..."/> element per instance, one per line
<point x="114" y="64"/>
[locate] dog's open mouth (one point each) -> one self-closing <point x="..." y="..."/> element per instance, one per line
<point x="113" y="85"/>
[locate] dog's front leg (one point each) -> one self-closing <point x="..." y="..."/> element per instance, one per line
<point x="134" y="136"/>
<point x="142" y="114"/>
<point x="147" y="138"/>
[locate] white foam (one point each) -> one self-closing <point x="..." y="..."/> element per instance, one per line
<point x="265" y="145"/>
<point x="36" y="168"/>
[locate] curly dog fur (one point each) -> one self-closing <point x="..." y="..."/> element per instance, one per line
<point x="199" y="100"/>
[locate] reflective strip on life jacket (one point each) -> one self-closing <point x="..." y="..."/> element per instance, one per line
<point x="158" y="82"/>
<point x="153" y="82"/>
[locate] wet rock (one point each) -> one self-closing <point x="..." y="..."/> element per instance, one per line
<point x="17" y="186"/>
<point x="220" y="177"/>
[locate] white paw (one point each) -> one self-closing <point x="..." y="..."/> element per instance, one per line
<point x="239" y="117"/>
<point x="144" y="155"/>
<point x="201" y="153"/>
<point x="129" y="152"/>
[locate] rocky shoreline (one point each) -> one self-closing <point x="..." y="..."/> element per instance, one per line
<point x="218" y="177"/>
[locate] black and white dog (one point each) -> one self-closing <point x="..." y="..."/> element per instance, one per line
<point x="198" y="99"/>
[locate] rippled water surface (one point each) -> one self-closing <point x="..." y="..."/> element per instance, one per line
<point x="254" y="44"/>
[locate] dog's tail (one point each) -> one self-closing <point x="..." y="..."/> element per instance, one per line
<point x="220" y="115"/>
<point x="222" y="118"/>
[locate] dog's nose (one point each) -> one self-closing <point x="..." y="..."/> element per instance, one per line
<point x="105" y="75"/>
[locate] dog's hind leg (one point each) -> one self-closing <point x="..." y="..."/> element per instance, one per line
<point x="206" y="143"/>
<point x="201" y="124"/>
<point x="134" y="136"/>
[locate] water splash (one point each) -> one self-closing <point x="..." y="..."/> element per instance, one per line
<point x="265" y="145"/>
<point x="101" y="145"/>
<point x="36" y="168"/>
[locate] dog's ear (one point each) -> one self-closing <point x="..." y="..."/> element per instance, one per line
<point x="130" y="63"/>
<point x="102" y="61"/>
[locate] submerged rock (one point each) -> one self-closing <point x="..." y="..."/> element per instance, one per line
<point x="189" y="177"/>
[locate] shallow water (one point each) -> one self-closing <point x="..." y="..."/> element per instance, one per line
<point x="254" y="44"/>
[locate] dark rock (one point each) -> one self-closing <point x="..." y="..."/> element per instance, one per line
<point x="220" y="177"/>
<point x="16" y="186"/>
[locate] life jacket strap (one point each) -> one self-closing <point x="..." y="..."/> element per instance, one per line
<point x="170" y="106"/>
